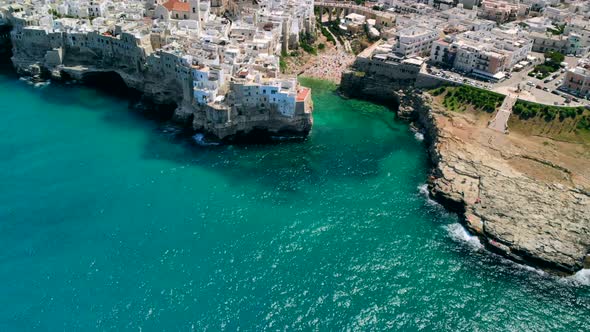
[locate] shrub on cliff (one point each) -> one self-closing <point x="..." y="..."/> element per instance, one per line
<point x="478" y="98"/>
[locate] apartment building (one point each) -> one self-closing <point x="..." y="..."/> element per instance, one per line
<point x="414" y="41"/>
<point x="487" y="54"/>
<point x="577" y="79"/>
<point x="503" y="11"/>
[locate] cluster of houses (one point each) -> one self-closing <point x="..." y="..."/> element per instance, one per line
<point x="222" y="55"/>
<point x="487" y="39"/>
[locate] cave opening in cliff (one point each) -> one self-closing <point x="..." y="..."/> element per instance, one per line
<point x="6" y="53"/>
<point x="112" y="83"/>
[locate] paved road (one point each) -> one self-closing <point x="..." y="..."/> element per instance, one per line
<point x="530" y="91"/>
<point x="500" y="121"/>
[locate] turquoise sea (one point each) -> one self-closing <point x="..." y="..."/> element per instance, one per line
<point x="110" y="221"/>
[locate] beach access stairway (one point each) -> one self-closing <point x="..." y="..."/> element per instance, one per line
<point x="500" y="121"/>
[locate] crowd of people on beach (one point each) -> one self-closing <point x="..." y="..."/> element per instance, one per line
<point x="330" y="65"/>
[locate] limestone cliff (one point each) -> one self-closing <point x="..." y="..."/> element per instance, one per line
<point x="169" y="87"/>
<point x="525" y="203"/>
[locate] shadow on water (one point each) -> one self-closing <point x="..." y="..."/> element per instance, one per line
<point x="103" y="89"/>
<point x="324" y="156"/>
<point x="336" y="148"/>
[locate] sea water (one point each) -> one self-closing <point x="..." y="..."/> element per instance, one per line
<point x="110" y="221"/>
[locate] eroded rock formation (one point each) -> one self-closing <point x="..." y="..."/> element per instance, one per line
<point x="527" y="199"/>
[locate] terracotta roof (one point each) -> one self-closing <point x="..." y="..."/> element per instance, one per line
<point x="176" y="5"/>
<point x="302" y="94"/>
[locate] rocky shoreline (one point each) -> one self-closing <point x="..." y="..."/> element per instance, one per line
<point x="165" y="103"/>
<point x="534" y="222"/>
<point x="542" y="224"/>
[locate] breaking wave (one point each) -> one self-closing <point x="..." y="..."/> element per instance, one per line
<point x="460" y="234"/>
<point x="200" y="140"/>
<point x="419" y="136"/>
<point x="35" y="81"/>
<point x="423" y="190"/>
<point x="41" y="84"/>
<point x="581" y="277"/>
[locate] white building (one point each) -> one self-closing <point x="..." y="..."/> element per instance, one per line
<point x="414" y="41"/>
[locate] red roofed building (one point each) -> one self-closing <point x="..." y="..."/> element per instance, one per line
<point x="302" y="94"/>
<point x="177" y="6"/>
<point x="173" y="9"/>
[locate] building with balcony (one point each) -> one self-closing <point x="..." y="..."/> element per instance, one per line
<point x="577" y="79"/>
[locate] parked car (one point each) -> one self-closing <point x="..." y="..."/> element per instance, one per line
<point x="529" y="83"/>
<point x="546" y="89"/>
<point x="539" y="87"/>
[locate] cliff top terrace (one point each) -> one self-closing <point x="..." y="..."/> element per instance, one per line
<point x="302" y="94"/>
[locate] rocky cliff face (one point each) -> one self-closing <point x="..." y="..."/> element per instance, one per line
<point x="222" y="123"/>
<point x="378" y="88"/>
<point x="498" y="184"/>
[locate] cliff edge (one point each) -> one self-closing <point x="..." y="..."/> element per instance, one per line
<point x="526" y="197"/>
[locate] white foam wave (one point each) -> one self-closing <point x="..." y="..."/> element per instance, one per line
<point x="200" y="140"/>
<point x="419" y="136"/>
<point x="460" y="234"/>
<point x="423" y="190"/>
<point x="581" y="277"/>
<point x="35" y="81"/>
<point x="524" y="267"/>
<point x="42" y="84"/>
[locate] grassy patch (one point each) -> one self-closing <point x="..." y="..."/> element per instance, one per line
<point x="562" y="123"/>
<point x="459" y="99"/>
